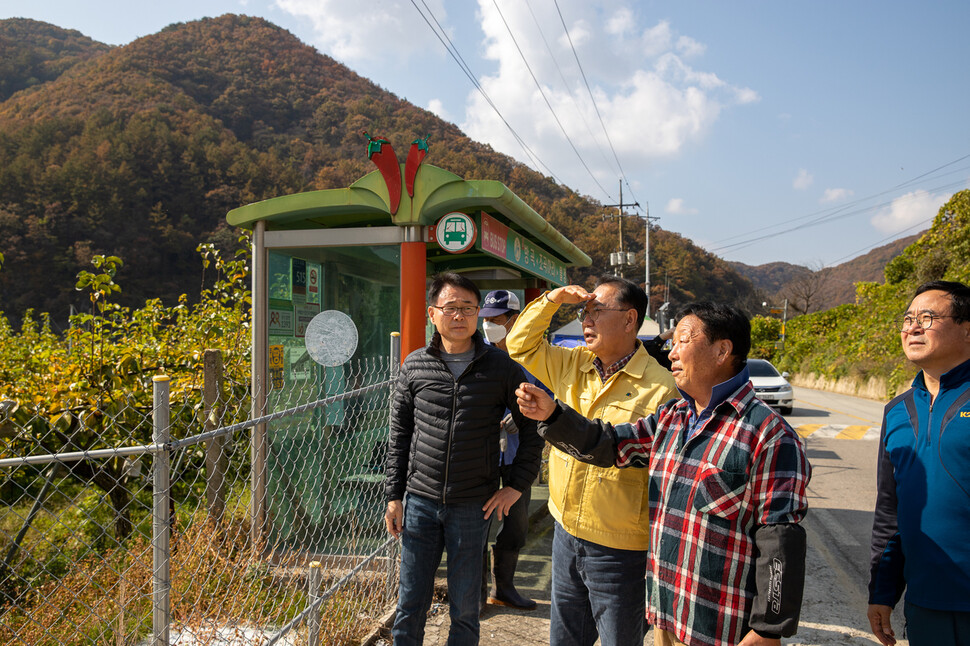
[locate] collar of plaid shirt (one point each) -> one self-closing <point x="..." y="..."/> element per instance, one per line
<point x="616" y="366"/>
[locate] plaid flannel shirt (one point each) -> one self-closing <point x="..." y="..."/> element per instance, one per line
<point x="745" y="469"/>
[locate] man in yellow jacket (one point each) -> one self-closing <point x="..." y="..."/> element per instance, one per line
<point x="599" y="553"/>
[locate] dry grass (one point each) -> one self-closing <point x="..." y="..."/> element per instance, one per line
<point x="218" y="583"/>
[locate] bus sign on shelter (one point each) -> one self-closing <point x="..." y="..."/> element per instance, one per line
<point x="455" y="232"/>
<point x="500" y="241"/>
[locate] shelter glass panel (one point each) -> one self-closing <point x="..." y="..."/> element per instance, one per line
<point x="325" y="466"/>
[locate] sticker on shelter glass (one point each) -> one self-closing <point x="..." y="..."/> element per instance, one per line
<point x="331" y="338"/>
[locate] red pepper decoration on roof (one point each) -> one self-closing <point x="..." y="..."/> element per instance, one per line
<point x="380" y="151"/>
<point x="419" y="149"/>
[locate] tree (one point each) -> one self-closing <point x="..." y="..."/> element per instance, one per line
<point x="765" y="332"/>
<point x="92" y="387"/>
<point x="804" y="292"/>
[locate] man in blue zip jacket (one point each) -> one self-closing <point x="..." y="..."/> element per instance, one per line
<point x="921" y="529"/>
<point x="443" y="476"/>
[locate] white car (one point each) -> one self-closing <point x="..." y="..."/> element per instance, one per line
<point x="770" y="387"/>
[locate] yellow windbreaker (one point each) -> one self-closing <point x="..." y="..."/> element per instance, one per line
<point x="605" y="506"/>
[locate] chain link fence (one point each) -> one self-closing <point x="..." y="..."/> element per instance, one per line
<point x="197" y="522"/>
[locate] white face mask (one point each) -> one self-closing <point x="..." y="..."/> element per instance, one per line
<point x="493" y="331"/>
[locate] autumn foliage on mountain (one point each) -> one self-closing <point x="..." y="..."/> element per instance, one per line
<point x="139" y="151"/>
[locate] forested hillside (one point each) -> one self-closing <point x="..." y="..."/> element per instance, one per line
<point x="34" y="52"/>
<point x="861" y="340"/>
<point x="139" y="151"/>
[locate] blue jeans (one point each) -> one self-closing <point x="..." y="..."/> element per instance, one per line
<point x="429" y="527"/>
<point x="927" y="627"/>
<point x="596" y="591"/>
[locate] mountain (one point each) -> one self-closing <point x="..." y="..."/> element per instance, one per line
<point x="139" y="151"/>
<point x="771" y="277"/>
<point x="810" y="290"/>
<point x="839" y="283"/>
<point x="33" y="53"/>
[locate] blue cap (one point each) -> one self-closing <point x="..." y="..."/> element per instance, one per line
<point x="499" y="302"/>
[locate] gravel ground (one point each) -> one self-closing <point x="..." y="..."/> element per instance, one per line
<point x="829" y="617"/>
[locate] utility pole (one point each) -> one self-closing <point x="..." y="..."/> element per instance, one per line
<point x="621" y="258"/>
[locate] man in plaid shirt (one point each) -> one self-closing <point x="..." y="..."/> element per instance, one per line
<point x="728" y="475"/>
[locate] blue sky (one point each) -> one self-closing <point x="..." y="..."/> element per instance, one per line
<point x="734" y="121"/>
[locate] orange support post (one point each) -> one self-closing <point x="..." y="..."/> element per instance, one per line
<point x="414" y="275"/>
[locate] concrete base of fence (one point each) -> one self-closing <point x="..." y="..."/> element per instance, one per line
<point x="872" y="388"/>
<point x="382" y="632"/>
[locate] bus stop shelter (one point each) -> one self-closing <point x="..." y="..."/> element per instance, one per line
<point x="363" y="254"/>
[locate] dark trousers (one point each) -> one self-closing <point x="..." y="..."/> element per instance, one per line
<point x="928" y="627"/>
<point x="514" y="528"/>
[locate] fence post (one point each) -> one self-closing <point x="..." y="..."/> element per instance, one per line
<point x="259" y="386"/>
<point x="395" y="549"/>
<point x="313" y="621"/>
<point x="161" y="517"/>
<point x="215" y="455"/>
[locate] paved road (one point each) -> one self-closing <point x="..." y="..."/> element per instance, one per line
<point x="840" y="434"/>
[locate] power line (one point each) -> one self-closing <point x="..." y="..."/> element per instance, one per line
<point x="746" y="243"/>
<point x="886" y="239"/>
<point x="591" y="98"/>
<point x="829" y="213"/>
<point x="567" y="86"/>
<point x="546" y="99"/>
<point x="456" y="55"/>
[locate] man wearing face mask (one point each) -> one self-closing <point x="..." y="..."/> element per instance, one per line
<point x="499" y="311"/>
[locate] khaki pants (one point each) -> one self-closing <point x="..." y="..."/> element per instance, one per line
<point x="663" y="638"/>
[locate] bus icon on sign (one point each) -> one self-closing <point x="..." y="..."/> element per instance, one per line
<point x="455" y="232"/>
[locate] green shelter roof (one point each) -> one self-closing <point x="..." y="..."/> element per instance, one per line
<point x="436" y="192"/>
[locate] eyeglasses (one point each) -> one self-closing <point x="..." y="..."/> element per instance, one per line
<point x="594" y="314"/>
<point x="449" y="310"/>
<point x="924" y="320"/>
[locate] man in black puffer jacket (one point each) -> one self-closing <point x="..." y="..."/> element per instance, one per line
<point x="443" y="460"/>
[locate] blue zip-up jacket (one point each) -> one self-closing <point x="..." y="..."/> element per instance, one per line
<point x="921" y="529"/>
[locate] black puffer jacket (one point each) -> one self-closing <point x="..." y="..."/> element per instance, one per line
<point x="445" y="432"/>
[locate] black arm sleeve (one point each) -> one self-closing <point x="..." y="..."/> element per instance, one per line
<point x="592" y="441"/>
<point x="780" y="579"/>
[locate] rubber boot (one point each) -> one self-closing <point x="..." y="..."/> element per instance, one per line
<point x="503" y="591"/>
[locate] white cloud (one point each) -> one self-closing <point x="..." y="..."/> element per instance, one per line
<point x="836" y="195"/>
<point x="620" y="23"/>
<point x="676" y="207"/>
<point x="353" y="35"/>
<point x="436" y="106"/>
<point x="908" y="211"/>
<point x="655" y="93"/>
<point x="690" y="48"/>
<point x="656" y="40"/>
<point x="652" y="101"/>
<point x="803" y="180"/>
